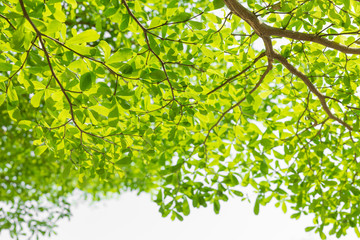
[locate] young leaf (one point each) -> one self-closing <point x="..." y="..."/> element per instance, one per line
<point x="216" y="206"/>
<point x="84" y="37"/>
<point x="35" y="100"/>
<point x="185" y="207"/>
<point x="40" y="150"/>
<point x="257" y="206"/>
<point x="264" y="168"/>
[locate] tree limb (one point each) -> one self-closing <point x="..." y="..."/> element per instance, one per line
<point x="264" y="30"/>
<point x="269" y="67"/>
<point x="312" y="88"/>
<point x="237" y="75"/>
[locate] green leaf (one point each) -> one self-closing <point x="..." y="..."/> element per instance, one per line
<point x="264" y="168"/>
<point x="73" y="3"/>
<point x="40" y="150"/>
<point x="124" y="161"/>
<point x="110" y="11"/>
<point x="197" y="25"/>
<point x="178" y="216"/>
<point x="12" y="95"/>
<point x="186" y="208"/>
<point x="53" y="27"/>
<point x="26" y="124"/>
<point x="257" y="206"/>
<point x="357" y="232"/>
<point x="245" y="180"/>
<point x="124" y="22"/>
<point x="124" y="104"/>
<point x="216" y="206"/>
<point x="2" y="99"/>
<point x="17" y="40"/>
<point x="122" y="55"/>
<point x="198" y="89"/>
<point x="157" y="74"/>
<point x="238" y="193"/>
<point x="87" y="80"/>
<point x="5" y="66"/>
<point x="218" y="4"/>
<point x="84" y="37"/>
<point x="6" y="225"/>
<point x="106" y="49"/>
<point x="154" y="45"/>
<point x="231" y="180"/>
<point x="36" y="99"/>
<point x="330" y="183"/>
<point x="125" y="68"/>
<point x="309" y="229"/>
<point x="182" y="16"/>
<point x="283" y="207"/>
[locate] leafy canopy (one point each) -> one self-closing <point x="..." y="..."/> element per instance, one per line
<point x="191" y="100"/>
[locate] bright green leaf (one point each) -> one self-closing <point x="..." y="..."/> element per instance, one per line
<point x="84" y="37"/>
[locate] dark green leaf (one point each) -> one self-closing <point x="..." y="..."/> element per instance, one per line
<point x="87" y="80"/>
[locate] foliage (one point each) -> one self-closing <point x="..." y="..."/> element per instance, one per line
<point x="190" y="100"/>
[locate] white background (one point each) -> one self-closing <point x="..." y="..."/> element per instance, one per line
<point x="133" y="217"/>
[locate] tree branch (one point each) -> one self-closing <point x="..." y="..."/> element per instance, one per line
<point x="240" y="73"/>
<point x="312" y="88"/>
<point x="63" y="90"/>
<point x="149" y="47"/>
<point x="264" y="30"/>
<point x="87" y="57"/>
<point x="269" y="67"/>
<point x="8" y="21"/>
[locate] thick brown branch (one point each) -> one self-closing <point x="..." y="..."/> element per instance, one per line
<point x="311" y="38"/>
<point x="246" y="15"/>
<point x="264" y="30"/>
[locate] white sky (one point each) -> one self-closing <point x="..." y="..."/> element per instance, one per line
<point x="134" y="217"/>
